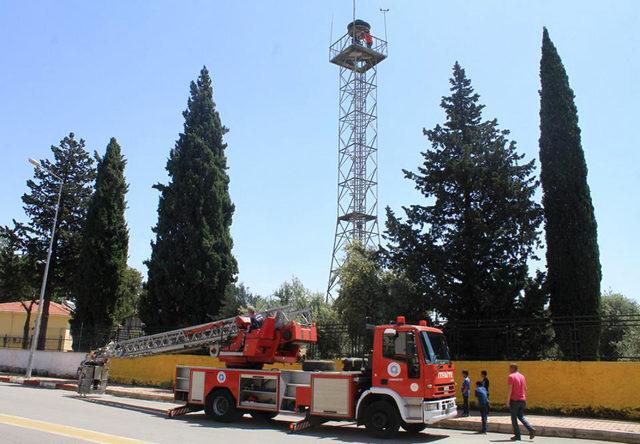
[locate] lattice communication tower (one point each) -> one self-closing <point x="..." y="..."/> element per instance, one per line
<point x="357" y="53"/>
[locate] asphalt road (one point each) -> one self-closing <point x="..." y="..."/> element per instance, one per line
<point x="32" y="415"/>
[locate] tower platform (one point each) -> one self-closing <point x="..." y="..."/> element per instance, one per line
<point x="346" y="52"/>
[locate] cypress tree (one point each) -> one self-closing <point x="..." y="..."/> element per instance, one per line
<point x="103" y="257"/>
<point x="191" y="262"/>
<point x="467" y="244"/>
<point x="72" y="164"/>
<point x="573" y="259"/>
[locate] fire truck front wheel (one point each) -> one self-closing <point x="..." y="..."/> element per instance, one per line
<point x="382" y="419"/>
<point x="221" y="406"/>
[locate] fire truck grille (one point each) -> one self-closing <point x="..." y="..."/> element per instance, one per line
<point x="445" y="389"/>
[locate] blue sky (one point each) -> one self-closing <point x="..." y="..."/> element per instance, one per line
<point x="122" y="69"/>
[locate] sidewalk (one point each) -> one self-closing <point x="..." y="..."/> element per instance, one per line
<point x="563" y="427"/>
<point x="556" y="426"/>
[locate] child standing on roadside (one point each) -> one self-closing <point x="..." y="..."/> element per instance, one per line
<point x="466" y="388"/>
<point x="483" y="404"/>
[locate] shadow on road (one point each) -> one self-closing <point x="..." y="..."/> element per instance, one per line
<point x="338" y="431"/>
<point x="122" y="405"/>
<point x="344" y="432"/>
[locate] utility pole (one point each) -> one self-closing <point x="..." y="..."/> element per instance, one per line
<point x="36" y="332"/>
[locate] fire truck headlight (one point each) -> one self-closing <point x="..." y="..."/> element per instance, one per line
<point x="432" y="406"/>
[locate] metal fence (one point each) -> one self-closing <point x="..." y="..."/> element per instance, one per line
<point x="506" y="339"/>
<point x="485" y="339"/>
<point x="58" y="343"/>
<point x="540" y="338"/>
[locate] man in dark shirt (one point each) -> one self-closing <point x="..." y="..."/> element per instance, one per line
<point x="485" y="380"/>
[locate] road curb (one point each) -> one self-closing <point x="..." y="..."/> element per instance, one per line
<point x="20" y="380"/>
<point x="549" y="431"/>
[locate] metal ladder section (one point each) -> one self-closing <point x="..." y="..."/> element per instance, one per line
<point x="197" y="336"/>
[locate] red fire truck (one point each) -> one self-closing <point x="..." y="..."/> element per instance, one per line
<point x="407" y="380"/>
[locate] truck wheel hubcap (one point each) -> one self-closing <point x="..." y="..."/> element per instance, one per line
<point x="379" y="420"/>
<point x="220" y="406"/>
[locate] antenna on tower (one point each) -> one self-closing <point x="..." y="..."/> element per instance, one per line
<point x="331" y="30"/>
<point x="384" y="13"/>
<point x="357" y="53"/>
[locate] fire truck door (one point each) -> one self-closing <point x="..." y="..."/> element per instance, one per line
<point x="400" y="367"/>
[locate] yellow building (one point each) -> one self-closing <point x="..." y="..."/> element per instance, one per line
<point x="12" y="319"/>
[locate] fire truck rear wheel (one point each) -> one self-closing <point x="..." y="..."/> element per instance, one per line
<point x="381" y="419"/>
<point x="222" y="407"/>
<point x="413" y="427"/>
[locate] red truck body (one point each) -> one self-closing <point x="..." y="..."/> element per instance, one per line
<point x="407" y="381"/>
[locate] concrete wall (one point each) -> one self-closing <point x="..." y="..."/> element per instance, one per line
<point x="563" y="384"/>
<point x="552" y="384"/>
<point x="64" y="364"/>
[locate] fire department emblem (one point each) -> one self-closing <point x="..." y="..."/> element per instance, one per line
<point x="393" y="369"/>
<point x="221" y="377"/>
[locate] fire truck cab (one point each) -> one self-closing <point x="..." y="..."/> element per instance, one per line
<point x="406" y="381"/>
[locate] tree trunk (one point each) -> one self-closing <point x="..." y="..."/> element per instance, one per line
<point x="25" y="329"/>
<point x="42" y="338"/>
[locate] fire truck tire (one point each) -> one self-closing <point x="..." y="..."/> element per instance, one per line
<point x="413" y="427"/>
<point x="324" y="366"/>
<point x="261" y="415"/>
<point x="381" y="419"/>
<point x="221" y="406"/>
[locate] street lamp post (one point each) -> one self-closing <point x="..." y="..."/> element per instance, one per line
<point x="36" y="332"/>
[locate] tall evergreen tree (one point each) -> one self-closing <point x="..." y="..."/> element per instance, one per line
<point x="17" y="270"/>
<point x="191" y="262"/>
<point x="468" y="244"/>
<point x="100" y="278"/>
<point x="74" y="166"/>
<point x="573" y="259"/>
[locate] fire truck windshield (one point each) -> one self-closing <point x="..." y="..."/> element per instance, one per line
<point x="435" y="347"/>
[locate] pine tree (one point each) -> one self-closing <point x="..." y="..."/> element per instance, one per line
<point x="467" y="245"/>
<point x="18" y="279"/>
<point x="191" y="262"/>
<point x="103" y="258"/>
<point x="573" y="259"/>
<point x="74" y="166"/>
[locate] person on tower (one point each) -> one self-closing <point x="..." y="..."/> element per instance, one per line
<point x="368" y="38"/>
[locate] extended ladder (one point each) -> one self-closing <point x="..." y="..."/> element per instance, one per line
<point x="197" y="336"/>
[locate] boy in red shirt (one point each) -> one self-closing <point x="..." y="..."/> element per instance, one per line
<point x="517" y="402"/>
